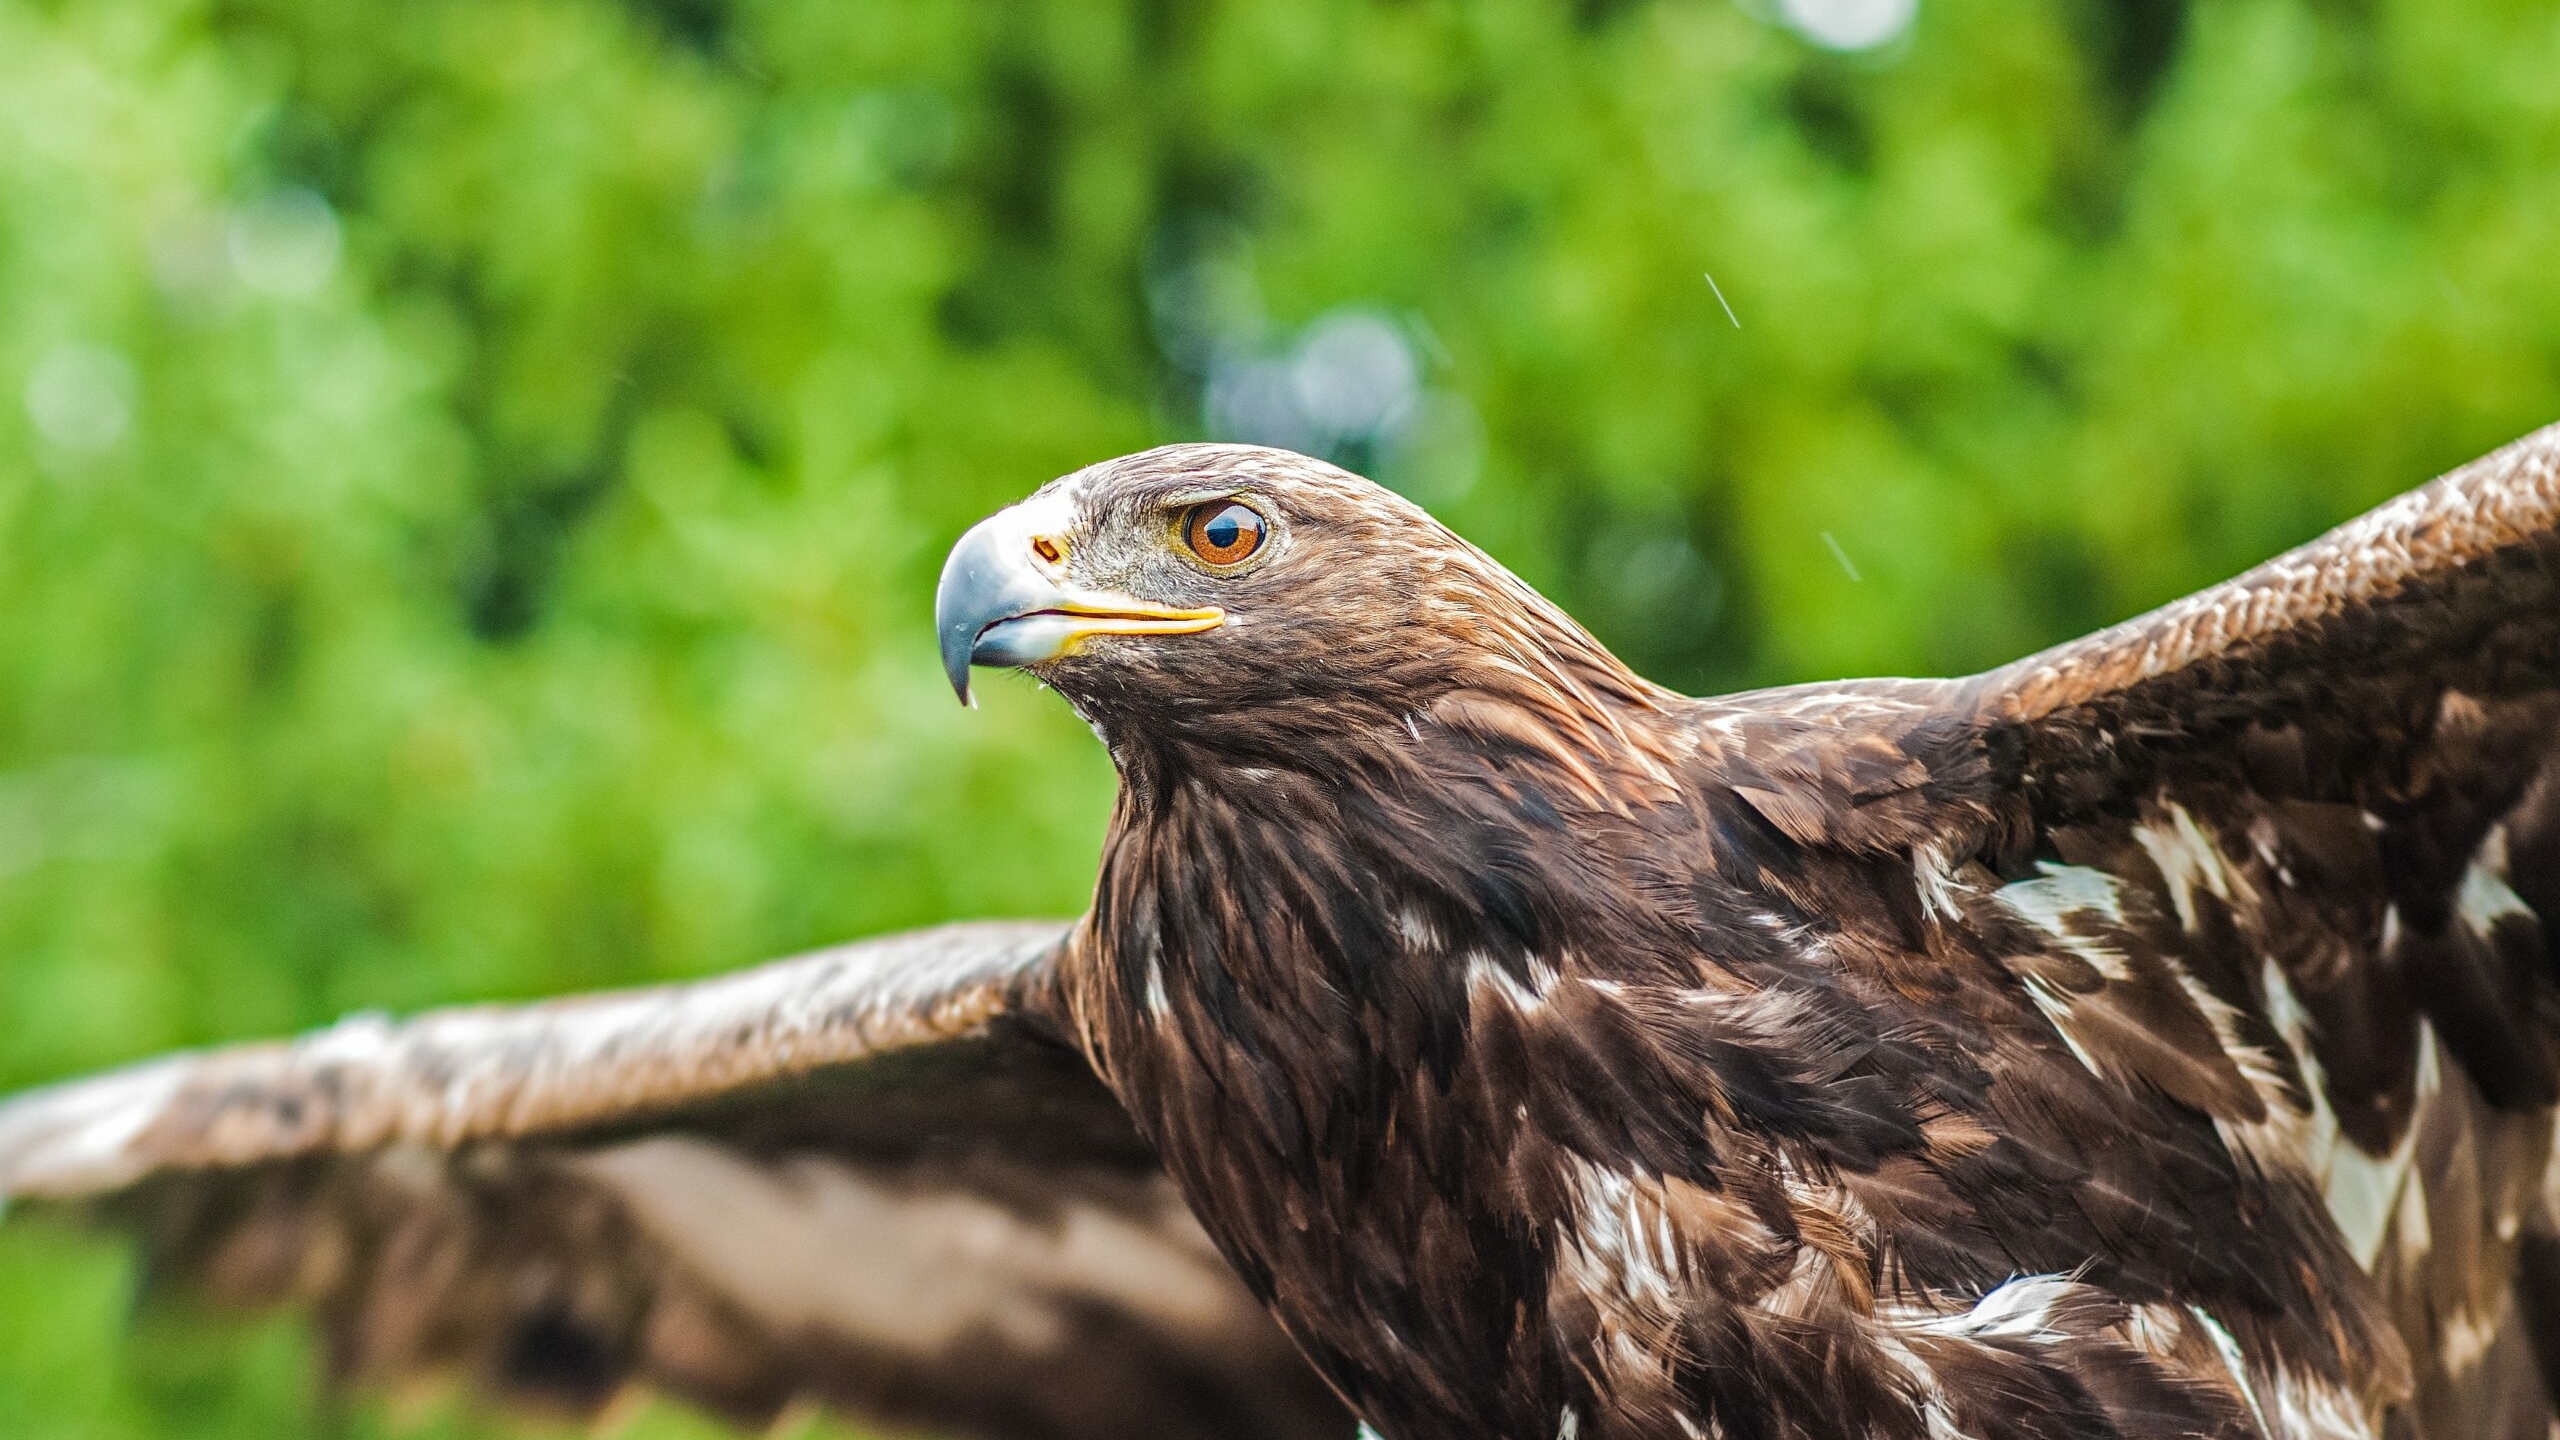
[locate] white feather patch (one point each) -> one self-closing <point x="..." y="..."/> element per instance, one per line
<point x="2020" y="1311"/>
<point x="1525" y="996"/>
<point x="1933" y="871"/>
<point x="2486" y="898"/>
<point x="1415" y="931"/>
<point x="2059" y="891"/>
<point x="2188" y="859"/>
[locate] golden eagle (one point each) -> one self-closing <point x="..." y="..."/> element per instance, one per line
<point x="1469" y="1038"/>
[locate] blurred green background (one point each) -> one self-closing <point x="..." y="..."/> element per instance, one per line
<point x="472" y="474"/>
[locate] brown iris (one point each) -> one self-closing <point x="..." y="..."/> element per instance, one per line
<point x="1222" y="532"/>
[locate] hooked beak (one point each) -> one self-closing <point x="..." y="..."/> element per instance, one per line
<point x="1005" y="599"/>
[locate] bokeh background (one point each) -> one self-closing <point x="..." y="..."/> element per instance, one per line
<point x="472" y="472"/>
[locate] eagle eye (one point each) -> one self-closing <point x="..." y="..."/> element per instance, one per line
<point x="1223" y="532"/>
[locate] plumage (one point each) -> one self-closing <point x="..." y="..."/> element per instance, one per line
<point x="2154" y="1037"/>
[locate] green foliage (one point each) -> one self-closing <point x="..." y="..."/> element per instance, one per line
<point x="474" y="473"/>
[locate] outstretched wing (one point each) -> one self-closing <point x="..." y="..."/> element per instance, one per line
<point x="2288" y="851"/>
<point x="869" y="1178"/>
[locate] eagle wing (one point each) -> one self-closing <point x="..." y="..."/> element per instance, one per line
<point x="2288" y="852"/>
<point x="868" y="1178"/>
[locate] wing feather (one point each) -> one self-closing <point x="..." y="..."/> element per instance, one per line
<point x="870" y="1178"/>
<point x="470" y="1073"/>
<point x="2327" y="793"/>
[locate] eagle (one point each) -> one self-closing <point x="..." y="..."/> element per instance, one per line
<point x="1470" y="1039"/>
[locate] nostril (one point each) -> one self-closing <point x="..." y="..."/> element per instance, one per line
<point x="1051" y="552"/>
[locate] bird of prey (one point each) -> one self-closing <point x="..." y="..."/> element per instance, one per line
<point x="1472" y="1040"/>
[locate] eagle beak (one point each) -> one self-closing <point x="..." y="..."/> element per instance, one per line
<point x="1005" y="598"/>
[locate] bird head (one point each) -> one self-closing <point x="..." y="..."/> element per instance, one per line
<point x="1253" y="590"/>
